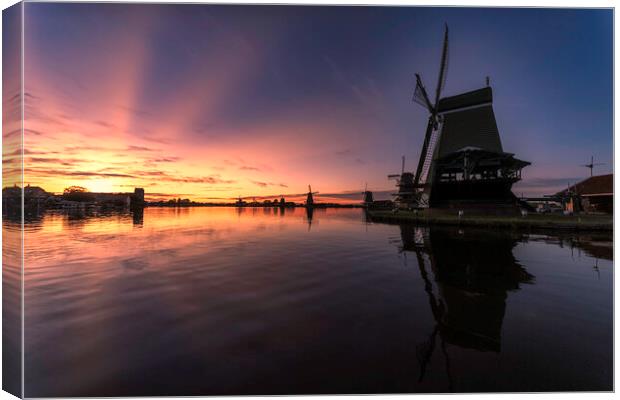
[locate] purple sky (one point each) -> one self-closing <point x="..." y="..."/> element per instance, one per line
<point x="220" y="101"/>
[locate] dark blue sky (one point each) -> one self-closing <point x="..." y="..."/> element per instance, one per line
<point x="287" y="95"/>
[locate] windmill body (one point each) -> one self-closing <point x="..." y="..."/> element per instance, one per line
<point x="462" y="162"/>
<point x="469" y="165"/>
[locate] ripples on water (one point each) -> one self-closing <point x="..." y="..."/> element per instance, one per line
<point x="205" y="301"/>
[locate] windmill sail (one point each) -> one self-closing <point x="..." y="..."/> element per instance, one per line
<point x="431" y="136"/>
<point x="443" y="67"/>
<point x="420" y="96"/>
<point x="430" y="155"/>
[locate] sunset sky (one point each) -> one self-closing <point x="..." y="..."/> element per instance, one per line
<point x="211" y="102"/>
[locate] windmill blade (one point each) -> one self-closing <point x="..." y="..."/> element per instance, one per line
<point x="423" y="153"/>
<point x="420" y="96"/>
<point x="443" y="68"/>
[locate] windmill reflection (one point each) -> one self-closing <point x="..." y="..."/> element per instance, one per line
<point x="467" y="277"/>
<point x="138" y="216"/>
<point x="309" y="215"/>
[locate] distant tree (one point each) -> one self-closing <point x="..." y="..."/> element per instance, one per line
<point x="77" y="193"/>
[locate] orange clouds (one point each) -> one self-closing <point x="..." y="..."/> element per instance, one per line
<point x="120" y="104"/>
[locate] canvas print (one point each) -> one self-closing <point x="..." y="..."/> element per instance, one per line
<point x="209" y="200"/>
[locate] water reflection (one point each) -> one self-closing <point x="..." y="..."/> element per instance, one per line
<point x="138" y="216"/>
<point x="467" y="277"/>
<point x="309" y="215"/>
<point x="207" y="301"/>
<point x="593" y="244"/>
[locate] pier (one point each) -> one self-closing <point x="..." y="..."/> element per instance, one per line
<point x="526" y="221"/>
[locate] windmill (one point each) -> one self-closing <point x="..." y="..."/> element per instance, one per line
<point x="368" y="197"/>
<point x="310" y="197"/>
<point x="462" y="161"/>
<point x="406" y="190"/>
<point x="592" y="165"/>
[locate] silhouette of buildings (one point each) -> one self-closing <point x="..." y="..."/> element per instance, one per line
<point x="37" y="199"/>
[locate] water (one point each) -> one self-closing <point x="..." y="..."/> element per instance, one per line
<point x="206" y="301"/>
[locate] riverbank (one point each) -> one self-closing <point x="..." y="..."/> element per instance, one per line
<point x="584" y="222"/>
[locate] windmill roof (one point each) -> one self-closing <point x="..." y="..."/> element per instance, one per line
<point x="468" y="99"/>
<point x="600" y="184"/>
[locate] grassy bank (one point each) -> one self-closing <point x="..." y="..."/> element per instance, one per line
<point x="584" y="222"/>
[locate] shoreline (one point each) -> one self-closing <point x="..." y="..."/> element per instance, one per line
<point x="579" y="223"/>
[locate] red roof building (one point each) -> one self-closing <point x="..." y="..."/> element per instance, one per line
<point x="596" y="194"/>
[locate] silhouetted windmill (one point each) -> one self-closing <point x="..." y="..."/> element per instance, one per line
<point x="406" y="189"/>
<point x="368" y="198"/>
<point x="592" y="165"/>
<point x="462" y="160"/>
<point x="310" y="197"/>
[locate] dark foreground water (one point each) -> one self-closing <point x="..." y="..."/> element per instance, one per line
<point x="205" y="301"/>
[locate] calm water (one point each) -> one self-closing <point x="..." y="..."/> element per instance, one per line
<point x="204" y="301"/>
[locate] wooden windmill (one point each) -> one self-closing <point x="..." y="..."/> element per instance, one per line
<point x="368" y="197"/>
<point x="406" y="195"/>
<point x="462" y="161"/>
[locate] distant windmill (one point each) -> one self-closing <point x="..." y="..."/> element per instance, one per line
<point x="406" y="188"/>
<point x="368" y="198"/>
<point x="592" y="165"/>
<point x="310" y="197"/>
